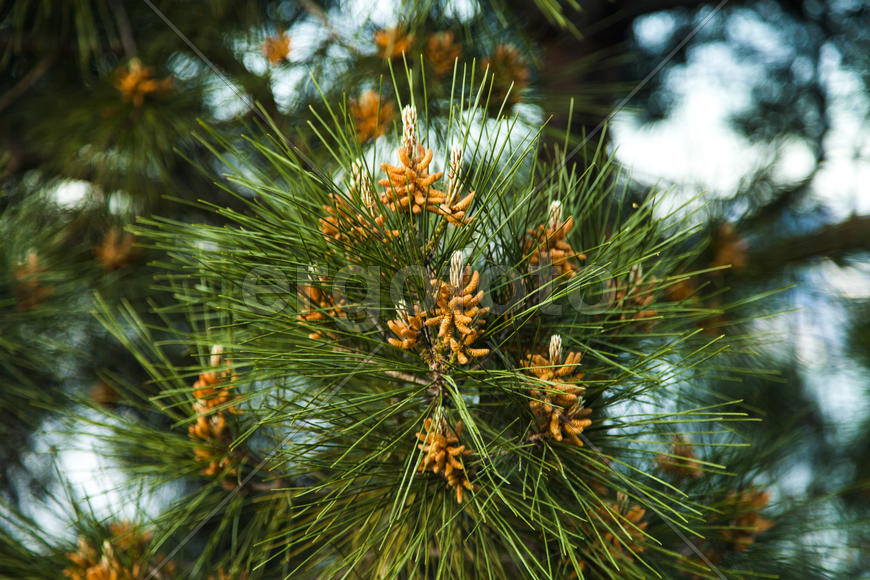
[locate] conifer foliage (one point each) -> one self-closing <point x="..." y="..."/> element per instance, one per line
<point x="405" y="336"/>
<point x="467" y="372"/>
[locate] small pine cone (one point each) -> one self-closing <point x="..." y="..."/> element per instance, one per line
<point x="682" y="461"/>
<point x="211" y="433"/>
<point x="635" y="296"/>
<point x="557" y="404"/>
<point x="135" y="82"/>
<point x="123" y="556"/>
<point x="442" y="52"/>
<point x="729" y="249"/>
<point x="443" y="454"/>
<point x="344" y="224"/>
<point x="458" y="315"/>
<point x="318" y="309"/>
<point x="393" y="42"/>
<point x="210" y="429"/>
<point x="746" y="522"/>
<point x="28" y="288"/>
<point x="548" y="245"/>
<point x="409" y="185"/>
<point x="104" y="394"/>
<point x="407" y="328"/>
<point x="507" y="66"/>
<point x="115" y="251"/>
<point x="212" y="388"/>
<point x="629" y="520"/>
<point x="276" y="48"/>
<point x="371" y="117"/>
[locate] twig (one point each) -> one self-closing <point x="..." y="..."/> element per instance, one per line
<point x="267" y="486"/>
<point x="407" y="377"/>
<point x="438" y="231"/>
<point x="125" y="30"/>
<point x="27" y="81"/>
<point x="831" y="241"/>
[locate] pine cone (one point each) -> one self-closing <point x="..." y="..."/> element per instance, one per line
<point x="407" y="327"/>
<point x="635" y="295"/>
<point x="29" y="290"/>
<point x="410" y="186"/>
<point x="633" y="526"/>
<point x="115" y="251"/>
<point x="135" y="82"/>
<point x="457" y="313"/>
<point x="276" y="48"/>
<point x="747" y="521"/>
<point x="392" y="42"/>
<point x="507" y="66"/>
<point x="558" y="406"/>
<point x="443" y="454"/>
<point x="121" y="557"/>
<point x="211" y="407"/>
<point x="682" y="462"/>
<point x="371" y="117"/>
<point x="548" y="244"/>
<point x="346" y="225"/>
<point x="442" y="52"/>
<point x="319" y="307"/>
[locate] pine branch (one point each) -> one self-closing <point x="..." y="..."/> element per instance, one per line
<point x="125" y="30"/>
<point x="27" y="81"/>
<point x="833" y="241"/>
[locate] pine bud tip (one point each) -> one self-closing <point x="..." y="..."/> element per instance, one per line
<point x="217" y="352"/>
<point x="555" y="349"/>
<point x="409" y="128"/>
<point x="555" y="214"/>
<point x="453" y="173"/>
<point x="456" y="266"/>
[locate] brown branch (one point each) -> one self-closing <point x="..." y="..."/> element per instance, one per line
<point x="267" y="485"/>
<point x="407" y="377"/>
<point x="830" y="241"/>
<point x="27" y="81"/>
<point x="125" y="30"/>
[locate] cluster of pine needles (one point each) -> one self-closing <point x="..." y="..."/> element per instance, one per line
<point x="478" y="371"/>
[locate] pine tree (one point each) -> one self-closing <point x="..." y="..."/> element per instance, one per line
<point x="394" y="327"/>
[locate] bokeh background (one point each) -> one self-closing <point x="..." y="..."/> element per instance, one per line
<point x="752" y="119"/>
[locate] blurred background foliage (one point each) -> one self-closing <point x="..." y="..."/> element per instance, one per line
<point x="753" y="115"/>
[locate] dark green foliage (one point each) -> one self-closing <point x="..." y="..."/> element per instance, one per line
<point x="314" y="417"/>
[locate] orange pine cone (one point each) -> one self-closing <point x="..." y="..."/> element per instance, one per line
<point x="371" y="117"/>
<point x="276" y="48"/>
<point x="393" y="42"/>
